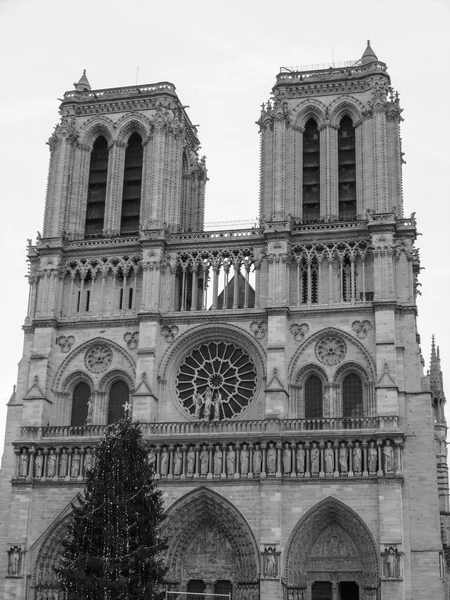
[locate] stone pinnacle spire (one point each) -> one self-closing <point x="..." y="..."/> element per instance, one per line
<point x="83" y="85"/>
<point x="369" y="55"/>
<point x="436" y="377"/>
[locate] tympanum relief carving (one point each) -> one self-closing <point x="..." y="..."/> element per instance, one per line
<point x="334" y="550"/>
<point x="209" y="556"/>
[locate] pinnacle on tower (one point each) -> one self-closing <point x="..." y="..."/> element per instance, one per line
<point x="369" y="55"/>
<point x="436" y="376"/>
<point x="83" y="85"/>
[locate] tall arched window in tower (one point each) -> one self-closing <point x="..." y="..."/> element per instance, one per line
<point x="96" y="198"/>
<point x="80" y="399"/>
<point x="352" y="396"/>
<point x="313" y="398"/>
<point x="311" y="172"/>
<point x="132" y="184"/>
<point x="347" y="169"/>
<point x="119" y="394"/>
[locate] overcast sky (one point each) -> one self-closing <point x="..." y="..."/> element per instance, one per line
<point x="223" y="58"/>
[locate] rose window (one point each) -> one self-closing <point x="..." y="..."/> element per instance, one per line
<point x="216" y="381"/>
<point x="98" y="358"/>
<point x="331" y="350"/>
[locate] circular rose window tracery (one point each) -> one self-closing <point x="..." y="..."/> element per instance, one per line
<point x="216" y="381"/>
<point x="331" y="350"/>
<point x="98" y="358"/>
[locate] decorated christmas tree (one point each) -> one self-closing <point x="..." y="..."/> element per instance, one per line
<point x="114" y="550"/>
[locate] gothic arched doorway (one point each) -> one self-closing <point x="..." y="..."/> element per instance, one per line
<point x="210" y="541"/>
<point x="331" y="555"/>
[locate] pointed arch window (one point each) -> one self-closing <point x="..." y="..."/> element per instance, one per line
<point x="352" y="396"/>
<point x="80" y="399"/>
<point x="311" y="172"/>
<point x="96" y="198"/>
<point x="313" y="398"/>
<point x="347" y="169"/>
<point x="132" y="186"/>
<point x="119" y="394"/>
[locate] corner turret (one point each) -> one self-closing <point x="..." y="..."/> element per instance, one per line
<point x="369" y="55"/>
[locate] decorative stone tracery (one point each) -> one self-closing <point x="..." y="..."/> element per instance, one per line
<point x="331" y="350"/>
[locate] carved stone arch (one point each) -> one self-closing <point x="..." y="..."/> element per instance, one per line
<point x="202" y="335"/>
<point x="332" y="331"/>
<point x="110" y="377"/>
<point x="72" y="380"/>
<point x="47" y="549"/>
<point x="350" y="367"/>
<point x="345" y="105"/>
<point x="361" y="562"/>
<point x="368" y="387"/>
<point x="94" y="128"/>
<point x="74" y="363"/>
<point x="133" y="123"/>
<point x="311" y="369"/>
<point x="201" y="509"/>
<point x="310" y="108"/>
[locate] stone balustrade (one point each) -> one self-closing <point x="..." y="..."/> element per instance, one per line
<point x="316" y="456"/>
<point x="205" y="428"/>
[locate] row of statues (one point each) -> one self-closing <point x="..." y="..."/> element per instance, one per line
<point x="289" y="459"/>
<point x="54" y="463"/>
<point x="209" y="406"/>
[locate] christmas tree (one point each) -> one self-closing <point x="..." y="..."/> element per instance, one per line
<point x="114" y="550"/>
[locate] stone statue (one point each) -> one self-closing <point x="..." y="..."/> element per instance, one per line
<point x="217" y="405"/>
<point x="164" y="467"/>
<point x="14" y="561"/>
<point x="271" y="565"/>
<point x="343" y="458"/>
<point x="151" y="459"/>
<point x="357" y="458"/>
<point x="178" y="461"/>
<point x="257" y="460"/>
<point x="23" y="464"/>
<point x="271" y="459"/>
<point x="76" y="460"/>
<point x="329" y="458"/>
<point x="300" y="459"/>
<point x="388" y="453"/>
<point x="391" y="562"/>
<point x="373" y="455"/>
<point x="191" y="461"/>
<point x="88" y="461"/>
<point x="244" y="460"/>
<point x="90" y="412"/>
<point x="51" y="464"/>
<point x="198" y="403"/>
<point x="218" y="455"/>
<point x="315" y="458"/>
<point x="231" y="460"/>
<point x="208" y="404"/>
<point x="287" y="456"/>
<point x="204" y="460"/>
<point x="38" y="464"/>
<point x="63" y="461"/>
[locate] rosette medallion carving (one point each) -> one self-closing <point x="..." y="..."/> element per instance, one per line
<point x="331" y="350"/>
<point x="98" y="358"/>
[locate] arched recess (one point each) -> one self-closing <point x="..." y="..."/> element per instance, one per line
<point x="46" y="552"/>
<point x="308" y="109"/>
<point x="331" y="542"/>
<point x="299" y="386"/>
<point x="210" y="540"/>
<point x="368" y="387"/>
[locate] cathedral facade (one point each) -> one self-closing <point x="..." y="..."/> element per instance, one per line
<point x="276" y="370"/>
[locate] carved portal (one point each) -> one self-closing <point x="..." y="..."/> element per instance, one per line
<point x="331" y="543"/>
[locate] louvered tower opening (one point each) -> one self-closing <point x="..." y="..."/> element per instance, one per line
<point x="132" y="184"/>
<point x="347" y="169"/>
<point x="96" y="198"/>
<point x="311" y="172"/>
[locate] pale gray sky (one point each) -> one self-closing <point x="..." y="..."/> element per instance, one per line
<point x="223" y="58"/>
